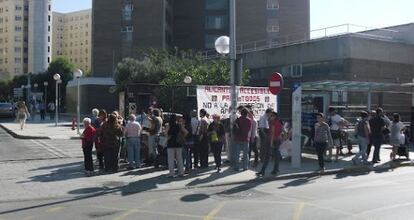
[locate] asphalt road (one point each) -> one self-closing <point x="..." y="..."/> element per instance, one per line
<point x="387" y="195"/>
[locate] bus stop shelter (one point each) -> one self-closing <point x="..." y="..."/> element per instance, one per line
<point x="330" y="86"/>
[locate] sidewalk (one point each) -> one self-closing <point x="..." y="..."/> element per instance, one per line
<point x="64" y="178"/>
<point x="41" y="130"/>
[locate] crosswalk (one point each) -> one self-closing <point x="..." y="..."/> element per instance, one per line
<point x="56" y="148"/>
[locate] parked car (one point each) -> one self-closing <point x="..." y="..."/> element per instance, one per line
<point x="6" y="110"/>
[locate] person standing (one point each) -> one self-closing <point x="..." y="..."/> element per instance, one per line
<point x="97" y="124"/>
<point x="133" y="136"/>
<point x="322" y="139"/>
<point x="109" y="138"/>
<point x="253" y="139"/>
<point x="203" y="139"/>
<point x="88" y="137"/>
<point x="154" y="132"/>
<point x="195" y="129"/>
<point x="216" y="136"/>
<point x="243" y="126"/>
<point x="42" y="109"/>
<point x="176" y="138"/>
<point x="275" y="139"/>
<point x="396" y="130"/>
<point x="336" y="122"/>
<point x="51" y="107"/>
<point x="188" y="145"/>
<point x="22" y="114"/>
<point x="264" y="132"/>
<point x="363" y="133"/>
<point x="378" y="126"/>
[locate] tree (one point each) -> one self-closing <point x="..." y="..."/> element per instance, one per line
<point x="168" y="71"/>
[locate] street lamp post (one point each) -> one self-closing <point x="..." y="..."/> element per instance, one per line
<point x="45" y="83"/>
<point x="77" y="74"/>
<point x="35" y="92"/>
<point x="56" y="77"/>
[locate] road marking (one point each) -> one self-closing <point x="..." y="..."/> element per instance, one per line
<point x="157" y="213"/>
<point x="298" y="211"/>
<point x="126" y="214"/>
<point x="54" y="148"/>
<point x="214" y="212"/>
<point x="47" y="149"/>
<point x="54" y="209"/>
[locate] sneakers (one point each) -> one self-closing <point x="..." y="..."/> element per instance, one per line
<point x="321" y="170"/>
<point x="260" y="174"/>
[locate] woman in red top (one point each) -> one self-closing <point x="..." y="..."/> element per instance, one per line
<point x="88" y="137"/>
<point x="275" y="136"/>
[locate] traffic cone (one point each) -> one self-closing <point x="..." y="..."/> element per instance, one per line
<point x="73" y="123"/>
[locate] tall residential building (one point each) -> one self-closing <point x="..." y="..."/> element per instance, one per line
<point x="121" y="28"/>
<point x="72" y="34"/>
<point x="25" y="37"/>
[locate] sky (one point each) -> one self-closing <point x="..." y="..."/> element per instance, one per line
<point x="324" y="13"/>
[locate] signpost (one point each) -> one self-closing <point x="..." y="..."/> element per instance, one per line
<point x="275" y="83"/>
<point x="296" y="125"/>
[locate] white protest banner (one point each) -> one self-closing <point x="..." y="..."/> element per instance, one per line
<point x="217" y="100"/>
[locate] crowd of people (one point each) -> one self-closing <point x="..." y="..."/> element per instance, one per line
<point x="183" y="143"/>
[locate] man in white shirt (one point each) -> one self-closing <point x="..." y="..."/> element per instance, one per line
<point x="195" y="128"/>
<point x="263" y="126"/>
<point x="336" y="122"/>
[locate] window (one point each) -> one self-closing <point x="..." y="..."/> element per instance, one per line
<point x="18" y="28"/>
<point x="48" y="18"/>
<point x="209" y="41"/>
<point x="48" y="59"/>
<point x="18" y="60"/>
<point x="48" y="49"/>
<point x="127" y="11"/>
<point x="272" y="4"/>
<point x="18" y="8"/>
<point x="272" y="25"/>
<point x="48" y="39"/>
<point x="127" y="33"/>
<point x="48" y="28"/>
<point x="296" y="70"/>
<point x="18" y="39"/>
<point x="216" y="22"/>
<point x="18" y="18"/>
<point x="217" y="4"/>
<point x="49" y="7"/>
<point x="18" y="70"/>
<point x="17" y="49"/>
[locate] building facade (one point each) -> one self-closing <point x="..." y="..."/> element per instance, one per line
<point x="123" y="28"/>
<point x="25" y="37"/>
<point x="72" y="37"/>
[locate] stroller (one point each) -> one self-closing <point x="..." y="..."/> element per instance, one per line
<point x="161" y="157"/>
<point x="404" y="149"/>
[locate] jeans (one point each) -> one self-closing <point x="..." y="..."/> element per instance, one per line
<point x="216" y="150"/>
<point x="377" y="142"/>
<point x="240" y="146"/>
<point x="134" y="151"/>
<point x="253" y="147"/>
<point x="152" y="139"/>
<point x="320" y="150"/>
<point x="264" y="143"/>
<point x="87" y="155"/>
<point x="175" y="155"/>
<point x="187" y="151"/>
<point x="362" y="154"/>
<point x="196" y="150"/>
<point x="268" y="153"/>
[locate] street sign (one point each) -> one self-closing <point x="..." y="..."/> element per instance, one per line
<point x="132" y="108"/>
<point x="275" y="83"/>
<point x="18" y="92"/>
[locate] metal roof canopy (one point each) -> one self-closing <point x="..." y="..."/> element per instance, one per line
<point x="334" y="85"/>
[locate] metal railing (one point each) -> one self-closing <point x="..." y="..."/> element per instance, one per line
<point x="332" y="31"/>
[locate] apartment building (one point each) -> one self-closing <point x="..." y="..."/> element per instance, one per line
<point x="122" y="28"/>
<point x="72" y="34"/>
<point x="25" y="37"/>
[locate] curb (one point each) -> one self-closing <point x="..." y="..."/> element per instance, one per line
<point x="18" y="136"/>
